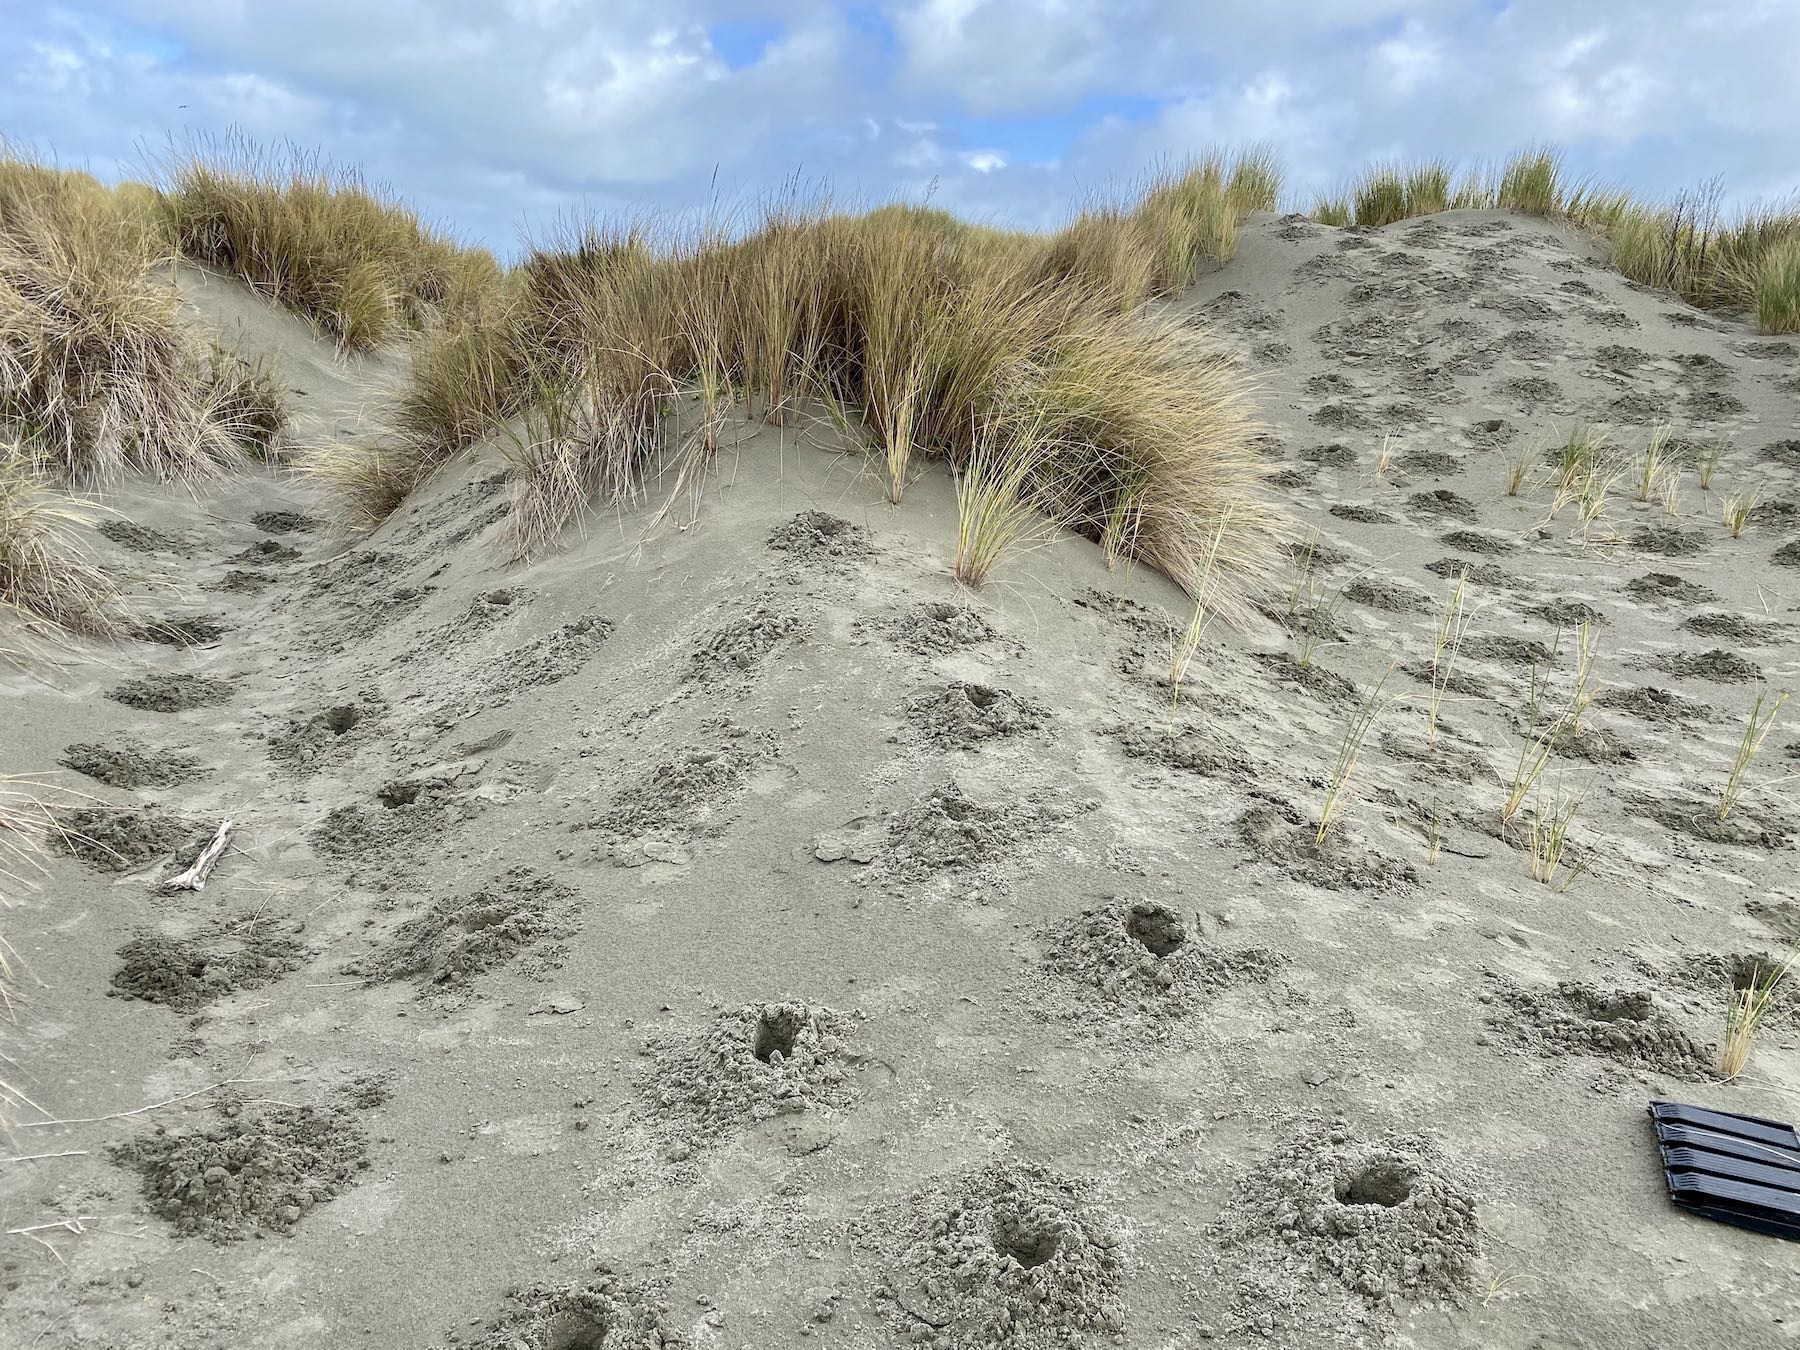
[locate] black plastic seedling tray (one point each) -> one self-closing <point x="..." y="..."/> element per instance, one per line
<point x="1740" y="1170"/>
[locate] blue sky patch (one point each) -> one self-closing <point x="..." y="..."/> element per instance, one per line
<point x="741" y="43"/>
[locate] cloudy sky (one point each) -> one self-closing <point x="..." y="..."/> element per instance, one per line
<point x="495" y="116"/>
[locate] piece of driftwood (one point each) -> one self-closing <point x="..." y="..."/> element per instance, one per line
<point x="194" y="879"/>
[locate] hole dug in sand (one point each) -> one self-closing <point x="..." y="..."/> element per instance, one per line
<point x="520" y="915"/>
<point x="395" y="795"/>
<point x="1378" y="1181"/>
<point x="1573" y="1018"/>
<point x="576" y="1331"/>
<point x="1006" y="1255"/>
<point x="341" y="719"/>
<point x="1030" y="1238"/>
<point x="1158" y="927"/>
<point x="1141" y="956"/>
<point x="776" y="1031"/>
<point x="750" y="1065"/>
<point x="608" y="1311"/>
<point x="1388" y="1219"/>
<point x="251" y="1168"/>
<point x="961" y="715"/>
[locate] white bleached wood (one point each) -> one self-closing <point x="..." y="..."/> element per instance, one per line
<point x="194" y="879"/>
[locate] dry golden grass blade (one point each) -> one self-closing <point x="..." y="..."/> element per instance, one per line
<point x="46" y="578"/>
<point x="1746" y="1007"/>
<point x="317" y="239"/>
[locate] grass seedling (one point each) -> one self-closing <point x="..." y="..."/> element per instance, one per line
<point x="1582" y="697"/>
<point x="1745" y="1010"/>
<point x="1585" y="448"/>
<point x="1737" y="509"/>
<point x="1762" y="720"/>
<point x="1535" y="751"/>
<point x="1434" y="835"/>
<point x="1548" y="837"/>
<point x="1385" y="459"/>
<point x="1317" y="625"/>
<point x="1654" y="462"/>
<point x="1595" y="486"/>
<point x="1518" y="468"/>
<point x="1303" y="575"/>
<point x="1445" y="644"/>
<point x="1343" y="769"/>
<point x="1187" y="642"/>
<point x="1668" y="490"/>
<point x="1708" y="463"/>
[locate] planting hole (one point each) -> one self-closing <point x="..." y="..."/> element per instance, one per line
<point x="1025" y="1239"/>
<point x="1383" y="1182"/>
<point x="575" y="1331"/>
<point x="399" y="794"/>
<point x="498" y="598"/>
<point x="340" y="720"/>
<point x="1157" y="927"/>
<point x="775" y="1033"/>
<point x="980" y="695"/>
<point x="1633" y="1006"/>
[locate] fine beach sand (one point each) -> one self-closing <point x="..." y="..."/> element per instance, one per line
<point x="726" y="931"/>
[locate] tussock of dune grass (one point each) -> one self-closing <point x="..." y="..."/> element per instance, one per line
<point x="45" y="577"/>
<point x="934" y="335"/>
<point x="319" y="240"/>
<point x="1686" y="246"/>
<point x="96" y="379"/>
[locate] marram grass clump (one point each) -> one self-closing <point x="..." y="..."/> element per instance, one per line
<point x="96" y="377"/>
<point x="612" y="347"/>
<point x="319" y="240"/>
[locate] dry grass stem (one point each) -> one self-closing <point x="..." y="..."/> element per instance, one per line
<point x="1349" y="755"/>
<point x="1445" y="643"/>
<point x="1747" y="1005"/>
<point x="1763" y="713"/>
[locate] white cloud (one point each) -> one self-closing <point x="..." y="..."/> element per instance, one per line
<point x="489" y="113"/>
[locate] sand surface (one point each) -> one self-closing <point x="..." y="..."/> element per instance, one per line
<point x="727" y="932"/>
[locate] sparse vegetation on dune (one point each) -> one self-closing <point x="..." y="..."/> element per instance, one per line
<point x="1747" y="263"/>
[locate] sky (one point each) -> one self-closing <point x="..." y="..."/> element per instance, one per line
<point x="500" y="118"/>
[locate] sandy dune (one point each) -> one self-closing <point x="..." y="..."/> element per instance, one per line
<point x="727" y="932"/>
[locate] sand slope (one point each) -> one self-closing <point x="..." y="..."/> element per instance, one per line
<point x="726" y="932"/>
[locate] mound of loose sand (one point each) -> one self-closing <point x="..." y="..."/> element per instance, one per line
<point x="842" y="958"/>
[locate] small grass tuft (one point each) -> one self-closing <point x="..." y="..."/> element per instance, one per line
<point x="1547" y="838"/>
<point x="1446" y="642"/>
<point x="1746" y="1007"/>
<point x="1187" y="641"/>
<point x="1763" y="713"/>
<point x="994" y="500"/>
<point x="1736" y="511"/>
<point x="1655" y="461"/>
<point x="246" y="400"/>
<point x="1349" y="755"/>
<point x="1707" y="462"/>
